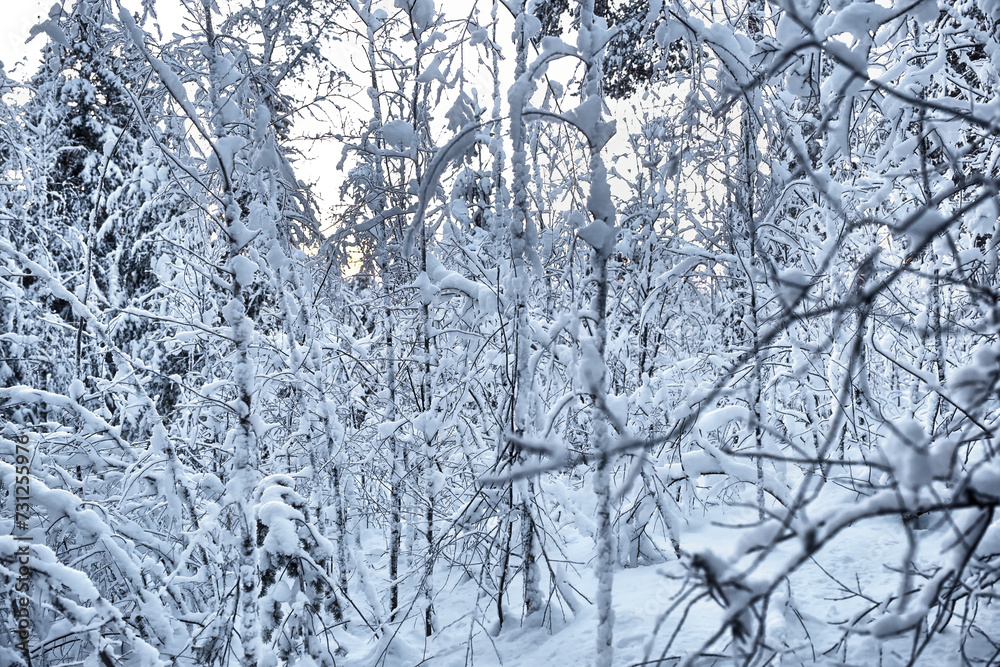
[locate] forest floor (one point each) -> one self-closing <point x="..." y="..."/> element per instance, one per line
<point x="816" y="617"/>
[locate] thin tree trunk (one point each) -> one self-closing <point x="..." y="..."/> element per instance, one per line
<point x="600" y="235"/>
<point x="245" y="460"/>
<point x="520" y="289"/>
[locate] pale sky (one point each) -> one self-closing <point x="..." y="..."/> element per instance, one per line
<point x="18" y="17"/>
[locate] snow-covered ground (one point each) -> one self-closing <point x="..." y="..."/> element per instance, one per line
<point x="818" y="616"/>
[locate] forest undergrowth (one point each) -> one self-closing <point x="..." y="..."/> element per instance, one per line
<point x="634" y="332"/>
